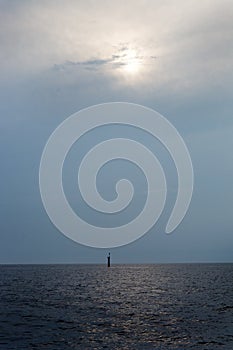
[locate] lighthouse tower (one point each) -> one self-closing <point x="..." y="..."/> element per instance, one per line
<point x="108" y="259"/>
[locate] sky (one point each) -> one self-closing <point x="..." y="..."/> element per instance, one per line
<point x="58" y="57"/>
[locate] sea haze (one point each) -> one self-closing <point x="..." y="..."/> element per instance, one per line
<point x="170" y="306"/>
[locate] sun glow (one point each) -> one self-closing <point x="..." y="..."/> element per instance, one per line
<point x="130" y="62"/>
<point x="132" y="67"/>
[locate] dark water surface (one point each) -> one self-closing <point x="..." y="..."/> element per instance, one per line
<point x="178" y="306"/>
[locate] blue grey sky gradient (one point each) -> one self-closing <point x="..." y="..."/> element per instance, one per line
<point x="57" y="57"/>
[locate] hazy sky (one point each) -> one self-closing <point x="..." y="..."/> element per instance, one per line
<point x="57" y="57"/>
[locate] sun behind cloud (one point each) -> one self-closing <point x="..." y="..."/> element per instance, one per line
<point x="127" y="64"/>
<point x="132" y="63"/>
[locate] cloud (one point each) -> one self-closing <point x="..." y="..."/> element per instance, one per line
<point x="91" y="63"/>
<point x="114" y="61"/>
<point x="183" y="50"/>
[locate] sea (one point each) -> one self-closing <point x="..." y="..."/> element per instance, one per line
<point x="157" y="306"/>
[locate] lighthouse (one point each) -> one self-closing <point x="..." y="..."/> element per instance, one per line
<point x="108" y="259"/>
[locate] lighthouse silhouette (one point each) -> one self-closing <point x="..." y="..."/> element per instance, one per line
<point x="108" y="259"/>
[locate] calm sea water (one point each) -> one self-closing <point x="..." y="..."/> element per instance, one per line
<point x="178" y="306"/>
